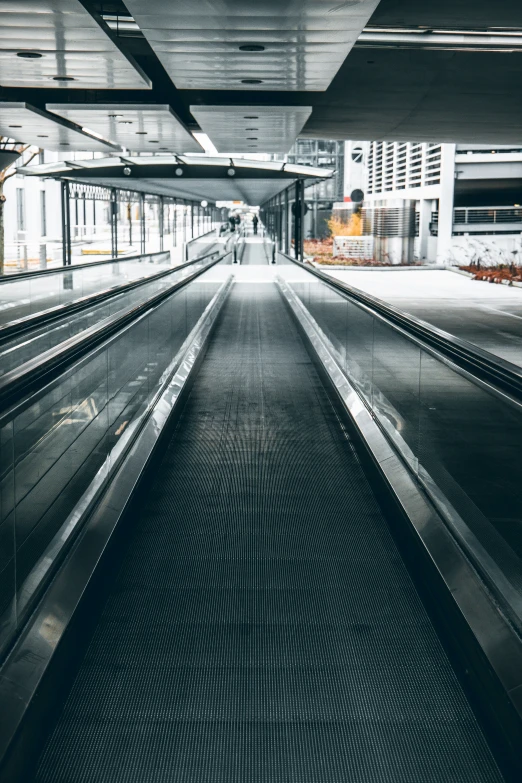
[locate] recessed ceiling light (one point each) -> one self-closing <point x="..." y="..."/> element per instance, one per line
<point x="251" y="81"/>
<point x="251" y="129"/>
<point x="251" y="117"/>
<point x="42" y="136"/>
<point x="125" y="122"/>
<point x="231" y="172"/>
<point x="141" y="133"/>
<point x="29" y="55"/>
<point x="251" y="138"/>
<point x="14" y="126"/>
<point x="370" y="62"/>
<point x="64" y="79"/>
<point x="179" y="172"/>
<point x="252" y="48"/>
<point x="153" y="141"/>
<point x="113" y="116"/>
<point x="64" y="144"/>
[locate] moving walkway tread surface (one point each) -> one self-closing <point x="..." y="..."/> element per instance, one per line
<point x="263" y="626"/>
<point x="254" y="252"/>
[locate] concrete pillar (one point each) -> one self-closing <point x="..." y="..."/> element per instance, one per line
<point x="446" y="200"/>
<point x="424" y="227"/>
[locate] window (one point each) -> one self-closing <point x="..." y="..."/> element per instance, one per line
<point x="20" y="208"/>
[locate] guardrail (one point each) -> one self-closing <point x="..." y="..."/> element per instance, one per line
<point x="45" y="367"/>
<point x="150" y="258"/>
<point x="490" y="215"/>
<point x="15" y="328"/>
<point x="192" y="245"/>
<point x="503" y="375"/>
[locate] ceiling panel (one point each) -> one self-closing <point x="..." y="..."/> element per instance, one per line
<point x="25" y="123"/>
<point x="253" y="44"/>
<point x="138" y="128"/>
<point x="251" y="129"/>
<point x="57" y="43"/>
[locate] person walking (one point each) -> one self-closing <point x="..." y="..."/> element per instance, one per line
<point x="255" y="221"/>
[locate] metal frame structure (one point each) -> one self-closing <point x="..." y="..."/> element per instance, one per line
<point x="283" y="216"/>
<point x="201" y="218"/>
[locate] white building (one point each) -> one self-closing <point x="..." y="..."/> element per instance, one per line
<point x="467" y="197"/>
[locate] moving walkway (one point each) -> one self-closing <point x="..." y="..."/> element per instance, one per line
<point x="246" y="551"/>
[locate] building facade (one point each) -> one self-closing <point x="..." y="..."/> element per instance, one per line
<point x="466" y="197"/>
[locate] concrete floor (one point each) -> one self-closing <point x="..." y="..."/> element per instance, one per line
<point x="485" y="314"/>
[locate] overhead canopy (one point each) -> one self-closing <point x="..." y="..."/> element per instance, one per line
<point x="185" y="176"/>
<point x="267" y="45"/>
<point x="270" y="129"/>
<point x="405" y="70"/>
<point x="142" y="128"/>
<point x="29" y="125"/>
<point x="58" y="43"/>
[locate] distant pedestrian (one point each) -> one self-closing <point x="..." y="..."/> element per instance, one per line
<point x="255" y="221"/>
<point x="232" y="222"/>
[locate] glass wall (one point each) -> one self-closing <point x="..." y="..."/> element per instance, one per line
<point x="71" y="433"/>
<point x="460" y="438"/>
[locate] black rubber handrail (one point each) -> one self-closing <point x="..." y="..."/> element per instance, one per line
<point x="481" y="363"/>
<point x="30" y="322"/>
<point x="41" y="370"/>
<point x="19" y="276"/>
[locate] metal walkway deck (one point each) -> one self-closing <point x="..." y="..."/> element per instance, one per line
<point x="263" y="626"/>
<point x="254" y="251"/>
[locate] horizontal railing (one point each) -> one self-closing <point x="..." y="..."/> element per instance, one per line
<point x="488" y="367"/>
<point x="42" y="368"/>
<point x="201" y="244"/>
<point x="34" y="321"/>
<point x="474" y="215"/>
<point x="152" y="258"/>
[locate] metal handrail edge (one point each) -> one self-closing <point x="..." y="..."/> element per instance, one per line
<point x="19" y="276"/>
<point x="30" y="322"/>
<point x="38" y="372"/>
<point x="493" y="369"/>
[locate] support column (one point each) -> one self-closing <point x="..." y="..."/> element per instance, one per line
<point x="286" y="246"/>
<point x="129" y="218"/>
<point x="114" y="223"/>
<point x="446" y="201"/>
<point x="299" y="220"/>
<point x="142" y="224"/>
<point x="424" y="227"/>
<point x="161" y="220"/>
<point x="66" y="225"/>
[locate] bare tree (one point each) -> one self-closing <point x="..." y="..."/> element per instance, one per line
<point x="7" y="173"/>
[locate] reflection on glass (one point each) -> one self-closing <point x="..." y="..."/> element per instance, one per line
<point x="461" y="439"/>
<point x="53" y="445"/>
